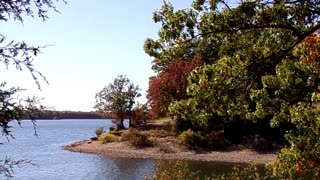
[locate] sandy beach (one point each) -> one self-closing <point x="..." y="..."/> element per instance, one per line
<point x="169" y="150"/>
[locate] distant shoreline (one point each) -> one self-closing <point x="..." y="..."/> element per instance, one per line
<point x="56" y="115"/>
<point x="66" y="119"/>
<point x="125" y="150"/>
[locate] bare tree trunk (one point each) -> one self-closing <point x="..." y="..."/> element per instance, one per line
<point x="130" y="119"/>
<point x="120" y="125"/>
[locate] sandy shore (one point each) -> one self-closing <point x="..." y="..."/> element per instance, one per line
<point x="170" y="151"/>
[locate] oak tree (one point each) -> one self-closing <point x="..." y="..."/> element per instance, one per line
<point x="117" y="99"/>
<point x="252" y="71"/>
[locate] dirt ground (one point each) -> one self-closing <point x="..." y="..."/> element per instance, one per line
<point x="168" y="150"/>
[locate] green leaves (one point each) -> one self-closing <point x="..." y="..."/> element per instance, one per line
<point x="20" y="55"/>
<point x="12" y="107"/>
<point x="175" y="37"/>
<point x="243" y="46"/>
<point x="302" y="158"/>
<point x="18" y="9"/>
<point x="7" y="166"/>
<point x="117" y="98"/>
<point x="261" y="64"/>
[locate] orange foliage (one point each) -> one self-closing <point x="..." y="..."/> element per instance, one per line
<point x="308" y="164"/>
<point x="170" y="85"/>
<point x="312" y="50"/>
<point x="139" y="115"/>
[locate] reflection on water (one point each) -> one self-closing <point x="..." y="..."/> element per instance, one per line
<point x="123" y="168"/>
<point x="53" y="163"/>
<point x="212" y="168"/>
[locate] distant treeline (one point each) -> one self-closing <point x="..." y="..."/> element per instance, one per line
<point x="69" y="115"/>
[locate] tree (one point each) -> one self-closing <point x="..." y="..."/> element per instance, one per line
<point x="117" y="99"/>
<point x="262" y="68"/>
<point x="170" y="85"/>
<point x="309" y="51"/>
<point x="140" y="114"/>
<point x="20" y="55"/>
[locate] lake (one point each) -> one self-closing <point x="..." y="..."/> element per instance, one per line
<point x="54" y="163"/>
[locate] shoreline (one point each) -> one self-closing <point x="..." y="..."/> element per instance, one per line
<point x="125" y="150"/>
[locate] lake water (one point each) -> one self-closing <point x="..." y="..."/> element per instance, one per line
<point x="54" y="163"/>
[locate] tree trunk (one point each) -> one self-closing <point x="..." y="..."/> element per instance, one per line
<point x="130" y="119"/>
<point x="120" y="125"/>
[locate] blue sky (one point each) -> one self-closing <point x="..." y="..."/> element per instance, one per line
<point x="93" y="43"/>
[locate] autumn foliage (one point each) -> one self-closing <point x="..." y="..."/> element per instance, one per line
<point x="139" y="115"/>
<point x="311" y="50"/>
<point x="170" y="85"/>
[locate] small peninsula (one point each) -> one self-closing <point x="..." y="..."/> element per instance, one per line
<point x="165" y="146"/>
<point x="125" y="150"/>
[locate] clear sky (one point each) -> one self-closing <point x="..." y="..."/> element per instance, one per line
<point x="94" y="41"/>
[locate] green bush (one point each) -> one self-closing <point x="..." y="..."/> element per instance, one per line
<point x="99" y="131"/>
<point x="251" y="172"/>
<point x="259" y="143"/>
<point x="137" y="138"/>
<point x="180" y="170"/>
<point x="173" y="170"/>
<point x="191" y="139"/>
<point x="107" y="137"/>
<point x="126" y="135"/>
<point x="301" y="160"/>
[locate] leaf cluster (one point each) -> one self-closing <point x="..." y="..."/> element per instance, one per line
<point x="7" y="165"/>
<point x="117" y="98"/>
<point x="173" y="170"/>
<point x="14" y="108"/>
<point x="21" y="8"/>
<point x="21" y="54"/>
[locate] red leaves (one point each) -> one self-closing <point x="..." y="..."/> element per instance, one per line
<point x="170" y="85"/>
<point x="307" y="164"/>
<point x="312" y="50"/>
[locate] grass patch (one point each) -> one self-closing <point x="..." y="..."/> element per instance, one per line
<point x="99" y="131"/>
<point x="137" y="138"/>
<point x="107" y="137"/>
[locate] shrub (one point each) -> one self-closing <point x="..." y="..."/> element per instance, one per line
<point x="126" y="135"/>
<point x="137" y="138"/>
<point x="99" y="131"/>
<point x="181" y="125"/>
<point x="158" y="133"/>
<point x="302" y="159"/>
<point x="112" y="128"/>
<point x="173" y="170"/>
<point x="251" y="172"/>
<point x="141" y="140"/>
<point x="191" y="139"/>
<point x="180" y="170"/>
<point x="107" y="137"/>
<point x="259" y="143"/>
<point x="215" y="139"/>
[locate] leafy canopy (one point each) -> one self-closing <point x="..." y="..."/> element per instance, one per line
<point x="260" y="64"/>
<point x="117" y="99"/>
<point x="170" y="85"/>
